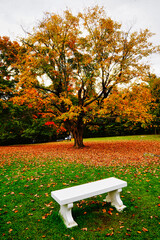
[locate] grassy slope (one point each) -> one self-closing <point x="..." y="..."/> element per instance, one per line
<point x="124" y="138"/>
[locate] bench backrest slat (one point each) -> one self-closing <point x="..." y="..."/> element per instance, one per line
<point x="79" y="192"/>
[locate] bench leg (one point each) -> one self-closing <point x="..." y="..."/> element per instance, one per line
<point x="114" y="198"/>
<point x="66" y="214"/>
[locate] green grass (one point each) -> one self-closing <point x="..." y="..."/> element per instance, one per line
<point x="27" y="210"/>
<point x="124" y="138"/>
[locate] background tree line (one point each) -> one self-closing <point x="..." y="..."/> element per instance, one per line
<point x="99" y="84"/>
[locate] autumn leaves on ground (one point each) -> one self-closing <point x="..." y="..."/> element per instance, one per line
<point x="28" y="174"/>
<point x="103" y="153"/>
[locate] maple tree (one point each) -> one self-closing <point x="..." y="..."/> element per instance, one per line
<point x="154" y="84"/>
<point x="17" y="122"/>
<point x="85" y="57"/>
<point x="8" y="56"/>
<point x="130" y="105"/>
<point x="8" y="70"/>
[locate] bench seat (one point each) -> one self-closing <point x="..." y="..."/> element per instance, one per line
<point x="65" y="197"/>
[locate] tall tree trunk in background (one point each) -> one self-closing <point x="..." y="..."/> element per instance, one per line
<point x="78" y="136"/>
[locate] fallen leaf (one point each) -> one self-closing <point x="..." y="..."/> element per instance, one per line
<point x="128" y="234"/>
<point x="110" y="212"/>
<point x="128" y="229"/>
<point x="145" y="229"/>
<point x="49" y="204"/>
<point x="121" y="227"/>
<point x="36" y="195"/>
<point x="109" y="234"/>
<point x="111" y="209"/>
<point x="84" y="229"/>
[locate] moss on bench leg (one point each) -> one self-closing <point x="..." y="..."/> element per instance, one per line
<point x="66" y="214"/>
<point x="115" y="200"/>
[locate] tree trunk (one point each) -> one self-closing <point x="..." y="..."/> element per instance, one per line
<point x="78" y="136"/>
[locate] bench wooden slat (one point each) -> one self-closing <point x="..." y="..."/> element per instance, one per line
<point x="76" y="193"/>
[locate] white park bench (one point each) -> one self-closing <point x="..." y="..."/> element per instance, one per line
<point x="65" y="197"/>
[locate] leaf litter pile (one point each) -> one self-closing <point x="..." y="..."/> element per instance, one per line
<point x="101" y="153"/>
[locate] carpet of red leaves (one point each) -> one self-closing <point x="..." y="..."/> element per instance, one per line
<point x="94" y="153"/>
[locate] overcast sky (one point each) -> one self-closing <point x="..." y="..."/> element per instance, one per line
<point x="140" y="14"/>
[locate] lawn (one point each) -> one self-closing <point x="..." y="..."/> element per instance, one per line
<point x="29" y="173"/>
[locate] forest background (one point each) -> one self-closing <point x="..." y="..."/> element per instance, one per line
<point x="98" y="83"/>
